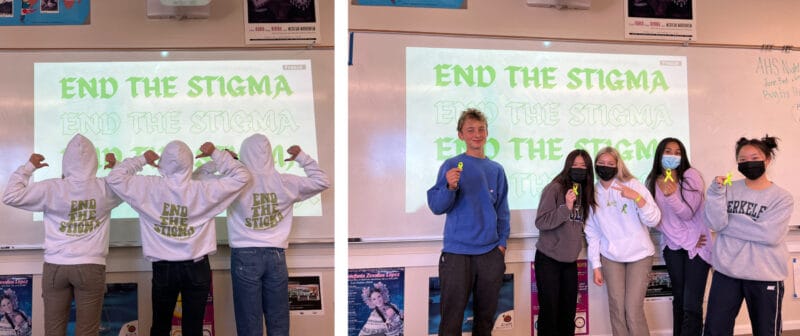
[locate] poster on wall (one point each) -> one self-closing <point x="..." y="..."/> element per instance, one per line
<point x="503" y="317"/>
<point x="660" y="286"/>
<point x="208" y="319"/>
<point x="16" y="305"/>
<point x="673" y="20"/>
<point x="281" y="22"/>
<point x="120" y="312"/>
<point x="44" y="12"/>
<point x="375" y="298"/>
<point x="581" y="306"/>
<point x="305" y="295"/>
<point x="460" y="4"/>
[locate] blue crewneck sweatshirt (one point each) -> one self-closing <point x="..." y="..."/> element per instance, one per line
<point x="477" y="211"/>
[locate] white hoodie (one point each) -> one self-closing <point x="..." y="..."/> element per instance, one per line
<point x="77" y="208"/>
<point x="618" y="229"/>
<point x="177" y="213"/>
<point x="262" y="214"/>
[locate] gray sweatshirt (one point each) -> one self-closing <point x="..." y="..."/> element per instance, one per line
<point x="751" y="228"/>
<point x="560" y="237"/>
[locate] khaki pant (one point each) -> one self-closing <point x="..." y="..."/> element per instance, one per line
<point x="627" y="286"/>
<point x="86" y="283"/>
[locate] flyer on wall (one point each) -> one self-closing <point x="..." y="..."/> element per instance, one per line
<point x="44" y="12"/>
<point x="305" y="295"/>
<point x="375" y="300"/>
<point x="673" y="20"/>
<point x="17" y="305"/>
<point x="281" y="22"/>
<point x="659" y="288"/>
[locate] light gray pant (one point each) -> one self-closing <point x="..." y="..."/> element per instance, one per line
<point x="627" y="285"/>
<point x="86" y="283"/>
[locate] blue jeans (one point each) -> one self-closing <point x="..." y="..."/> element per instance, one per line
<point x="190" y="279"/>
<point x="689" y="277"/>
<point x="260" y="288"/>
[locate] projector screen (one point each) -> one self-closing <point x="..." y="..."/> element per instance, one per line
<point x="126" y="108"/>
<point x="539" y="106"/>
<point x="542" y="100"/>
<point x="129" y="102"/>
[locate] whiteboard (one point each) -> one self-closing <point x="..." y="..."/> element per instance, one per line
<point x="19" y="227"/>
<point x="731" y="93"/>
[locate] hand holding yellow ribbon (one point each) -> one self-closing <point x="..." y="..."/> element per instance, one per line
<point x="728" y="181"/>
<point x="668" y="177"/>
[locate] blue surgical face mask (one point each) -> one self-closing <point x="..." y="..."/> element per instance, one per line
<point x="670" y="161"/>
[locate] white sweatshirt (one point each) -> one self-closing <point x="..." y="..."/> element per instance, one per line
<point x="77" y="208"/>
<point x="618" y="229"/>
<point x="176" y="213"/>
<point x="262" y="214"/>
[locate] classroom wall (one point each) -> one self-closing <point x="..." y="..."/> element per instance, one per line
<point x="730" y="23"/>
<point x="123" y="24"/>
<point x="735" y="22"/>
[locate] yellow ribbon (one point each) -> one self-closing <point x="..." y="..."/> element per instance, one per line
<point x="668" y="178"/>
<point x="461" y="165"/>
<point x="575" y="188"/>
<point x="728" y="181"/>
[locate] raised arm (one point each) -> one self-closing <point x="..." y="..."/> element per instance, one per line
<point x="549" y="215"/>
<point x="441" y="198"/>
<point x="23" y="194"/>
<point x="716" y="210"/>
<point x="315" y="180"/>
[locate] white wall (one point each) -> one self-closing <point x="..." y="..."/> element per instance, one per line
<point x="123" y="24"/>
<point x="734" y="23"/>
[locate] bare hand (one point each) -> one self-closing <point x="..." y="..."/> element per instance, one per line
<point x="626" y="191"/>
<point x="701" y="241"/>
<point x="205" y="150"/>
<point x="598" y="277"/>
<point x="293" y="151"/>
<point x="151" y="157"/>
<point x="720" y="180"/>
<point x="453" y="176"/>
<point x="36" y="161"/>
<point x="502" y="249"/>
<point x="570" y="197"/>
<point x="111" y="161"/>
<point x="668" y="188"/>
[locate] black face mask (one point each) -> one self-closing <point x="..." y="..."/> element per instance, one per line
<point x="606" y="173"/>
<point x="578" y="174"/>
<point x="752" y="169"/>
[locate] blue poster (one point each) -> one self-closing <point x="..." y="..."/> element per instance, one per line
<point x="375" y="301"/>
<point x="120" y="311"/>
<point x="44" y="12"/>
<point x="16" y="304"/>
<point x="504" y="316"/>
